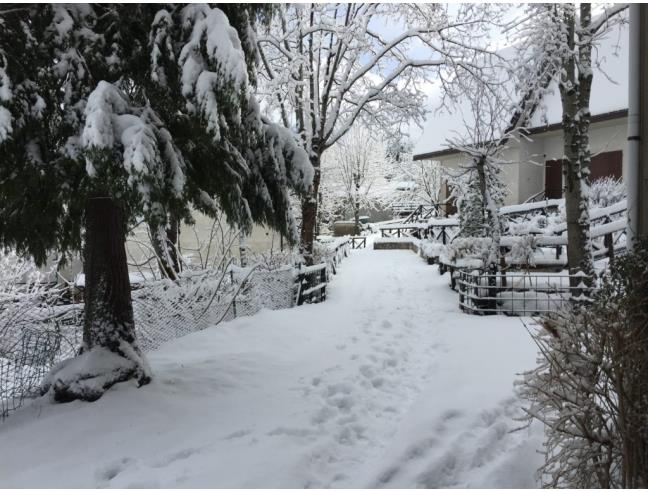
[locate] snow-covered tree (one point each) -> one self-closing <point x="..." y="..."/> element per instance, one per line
<point x="356" y="165"/>
<point x="558" y="40"/>
<point x="485" y="190"/>
<point x="123" y="112"/>
<point x="327" y="66"/>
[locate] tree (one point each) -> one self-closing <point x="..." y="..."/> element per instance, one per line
<point x="487" y="132"/>
<point x="125" y="111"/>
<point x="326" y="66"/>
<point x="558" y="40"/>
<point x="356" y="162"/>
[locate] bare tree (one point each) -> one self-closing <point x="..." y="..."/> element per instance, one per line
<point x="327" y="66"/>
<point x="357" y="162"/>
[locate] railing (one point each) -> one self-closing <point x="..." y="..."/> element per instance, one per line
<point x="424" y="212"/>
<point x="516" y="294"/>
<point x="358" y="242"/>
<point x="311" y="284"/>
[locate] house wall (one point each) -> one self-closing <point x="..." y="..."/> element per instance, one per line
<point x="525" y="176"/>
<point x="194" y="241"/>
<point x="452" y="165"/>
<point x="604" y="137"/>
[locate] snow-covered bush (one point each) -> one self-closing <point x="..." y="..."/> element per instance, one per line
<point x="274" y="259"/>
<point x="606" y="191"/>
<point x="18" y="276"/>
<point x="522" y="251"/>
<point x="431" y="249"/>
<point x="469" y="248"/>
<point x="590" y="387"/>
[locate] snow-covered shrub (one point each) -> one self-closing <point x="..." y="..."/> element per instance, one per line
<point x="274" y="259"/>
<point x="18" y="275"/>
<point x="590" y="387"/>
<point x="606" y="191"/>
<point x="469" y="248"/>
<point x="431" y="249"/>
<point x="522" y="251"/>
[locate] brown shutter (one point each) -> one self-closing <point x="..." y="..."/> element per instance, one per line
<point x="607" y="164"/>
<point x="553" y="179"/>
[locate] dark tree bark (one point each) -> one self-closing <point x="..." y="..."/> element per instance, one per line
<point x="356" y="204"/>
<point x="110" y="353"/>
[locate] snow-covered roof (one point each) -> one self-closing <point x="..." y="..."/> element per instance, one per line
<point x="609" y="95"/>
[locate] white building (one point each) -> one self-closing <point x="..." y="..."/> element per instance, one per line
<point x="535" y="168"/>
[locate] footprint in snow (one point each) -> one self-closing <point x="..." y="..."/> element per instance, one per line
<point x="108" y="472"/>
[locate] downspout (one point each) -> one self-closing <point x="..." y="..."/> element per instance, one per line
<point x="634" y="138"/>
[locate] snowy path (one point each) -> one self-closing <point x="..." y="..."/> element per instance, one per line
<point x="386" y="384"/>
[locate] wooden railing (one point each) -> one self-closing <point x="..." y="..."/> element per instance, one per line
<point x="358" y="242"/>
<point x="311" y="284"/>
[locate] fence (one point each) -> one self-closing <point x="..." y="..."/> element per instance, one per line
<point x="358" y="242"/>
<point x="36" y="333"/>
<point x="515" y="294"/>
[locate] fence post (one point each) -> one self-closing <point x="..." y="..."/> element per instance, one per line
<point x="323" y="280"/>
<point x="492" y="288"/>
<point x="233" y="300"/>
<point x="300" y="288"/>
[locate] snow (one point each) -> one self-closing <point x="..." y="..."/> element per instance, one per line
<point x="530" y="206"/>
<point x="5" y="123"/>
<point x="386" y="384"/>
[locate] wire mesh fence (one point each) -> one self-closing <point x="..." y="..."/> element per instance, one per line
<point x="518" y="294"/>
<point x="37" y="332"/>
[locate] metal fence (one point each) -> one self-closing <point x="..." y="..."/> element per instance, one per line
<point x="517" y="294"/>
<point x="36" y="333"/>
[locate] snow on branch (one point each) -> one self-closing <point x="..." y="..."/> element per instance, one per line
<point x="152" y="163"/>
<point x="328" y="66"/>
<point x="213" y="64"/>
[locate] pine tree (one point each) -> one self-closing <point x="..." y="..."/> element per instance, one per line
<point x="114" y="113"/>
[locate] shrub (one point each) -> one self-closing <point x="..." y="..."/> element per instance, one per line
<point x="590" y="387"/>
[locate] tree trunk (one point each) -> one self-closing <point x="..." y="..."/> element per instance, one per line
<point x="575" y="93"/>
<point x="309" y="213"/>
<point x="165" y="245"/>
<point x="491" y="215"/>
<point x="243" y="248"/>
<point x="110" y="353"/>
<point x="356" y="206"/>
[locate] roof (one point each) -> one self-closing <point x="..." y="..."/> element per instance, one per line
<point x="609" y="99"/>
<point x="609" y="116"/>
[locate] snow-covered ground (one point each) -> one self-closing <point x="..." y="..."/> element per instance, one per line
<point x="386" y="384"/>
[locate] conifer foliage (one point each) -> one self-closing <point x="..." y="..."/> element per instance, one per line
<point x="110" y="114"/>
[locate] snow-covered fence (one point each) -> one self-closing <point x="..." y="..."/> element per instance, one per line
<point x="37" y="333"/>
<point x="514" y="294"/>
<point x="332" y="250"/>
<point x="165" y="310"/>
<point x="311" y="283"/>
